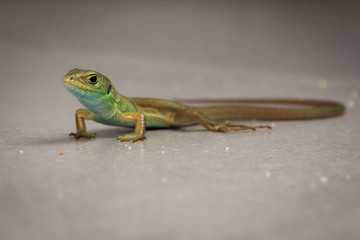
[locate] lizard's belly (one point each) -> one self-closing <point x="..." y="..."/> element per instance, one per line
<point x="114" y="122"/>
<point x="151" y="122"/>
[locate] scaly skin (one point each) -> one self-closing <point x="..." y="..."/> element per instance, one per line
<point x="105" y="105"/>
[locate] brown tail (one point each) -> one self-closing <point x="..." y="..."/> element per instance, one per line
<point x="267" y="109"/>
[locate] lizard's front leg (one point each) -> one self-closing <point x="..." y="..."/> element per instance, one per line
<point x="80" y="116"/>
<point x="139" y="127"/>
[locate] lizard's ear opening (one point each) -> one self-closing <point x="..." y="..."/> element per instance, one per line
<point x="108" y="90"/>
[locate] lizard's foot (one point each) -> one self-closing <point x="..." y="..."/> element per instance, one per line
<point x="83" y="135"/>
<point x="224" y="127"/>
<point x="129" y="138"/>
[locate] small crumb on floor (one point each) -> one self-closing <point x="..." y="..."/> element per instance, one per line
<point x="21" y="152"/>
<point x="218" y="169"/>
<point x="350" y="103"/>
<point x="61" y="153"/>
<point x="322" y="83"/>
<point x="268" y="174"/>
<point x="324" y="179"/>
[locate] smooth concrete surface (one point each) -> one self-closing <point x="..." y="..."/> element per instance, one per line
<point x="300" y="180"/>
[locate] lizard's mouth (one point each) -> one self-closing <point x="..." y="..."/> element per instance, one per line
<point x="69" y="84"/>
<point x="76" y="89"/>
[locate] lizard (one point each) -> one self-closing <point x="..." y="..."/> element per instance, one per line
<point x="107" y="106"/>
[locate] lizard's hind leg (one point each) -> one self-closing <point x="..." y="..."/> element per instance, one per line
<point x="192" y="116"/>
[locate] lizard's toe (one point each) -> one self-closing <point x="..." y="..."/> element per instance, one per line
<point x="83" y="135"/>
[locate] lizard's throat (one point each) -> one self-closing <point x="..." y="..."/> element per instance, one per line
<point x="103" y="107"/>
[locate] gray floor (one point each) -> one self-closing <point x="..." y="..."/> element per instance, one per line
<point x="300" y="180"/>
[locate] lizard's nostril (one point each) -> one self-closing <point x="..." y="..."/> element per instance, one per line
<point x="71" y="78"/>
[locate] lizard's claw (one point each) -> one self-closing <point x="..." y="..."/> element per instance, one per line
<point x="129" y="138"/>
<point x="83" y="135"/>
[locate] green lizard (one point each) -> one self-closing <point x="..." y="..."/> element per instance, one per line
<point x="105" y="105"/>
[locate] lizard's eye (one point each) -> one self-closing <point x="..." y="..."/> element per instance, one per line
<point x="93" y="80"/>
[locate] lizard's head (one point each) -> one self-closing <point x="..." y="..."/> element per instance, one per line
<point x="87" y="84"/>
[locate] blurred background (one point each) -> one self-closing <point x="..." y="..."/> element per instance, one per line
<point x="179" y="49"/>
<point x="316" y="37"/>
